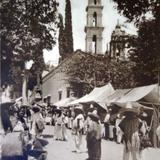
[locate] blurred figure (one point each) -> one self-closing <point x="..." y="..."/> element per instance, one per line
<point x="144" y="128"/>
<point x="119" y="132"/>
<point x="158" y="132"/>
<point x="94" y="137"/>
<point x="12" y="143"/>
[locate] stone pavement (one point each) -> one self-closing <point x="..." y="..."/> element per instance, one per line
<point x="62" y="150"/>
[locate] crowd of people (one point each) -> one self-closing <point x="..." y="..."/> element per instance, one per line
<point x="26" y="124"/>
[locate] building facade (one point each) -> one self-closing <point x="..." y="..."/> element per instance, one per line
<point x="57" y="84"/>
<point x="94" y="28"/>
<point x="118" y="44"/>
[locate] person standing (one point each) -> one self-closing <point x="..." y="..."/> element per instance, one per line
<point x="119" y="132"/>
<point x="130" y="126"/>
<point x="37" y="123"/>
<point x="106" y="125"/>
<point x="64" y="126"/>
<point x="94" y="137"/>
<point x="58" y="125"/>
<point x="78" y="125"/>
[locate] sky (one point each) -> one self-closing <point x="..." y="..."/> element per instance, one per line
<point x="110" y="17"/>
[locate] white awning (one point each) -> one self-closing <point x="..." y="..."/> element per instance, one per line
<point x="97" y="95"/>
<point x="64" y="102"/>
<point x="137" y="94"/>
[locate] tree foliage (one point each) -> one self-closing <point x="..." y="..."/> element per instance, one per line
<point x="61" y="38"/>
<point x="68" y="29"/>
<point x="146" y="53"/>
<point x="137" y="9"/>
<point x="28" y="28"/>
<point x="88" y="71"/>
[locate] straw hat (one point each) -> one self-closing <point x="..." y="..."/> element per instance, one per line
<point x="130" y="108"/>
<point x="94" y="117"/>
<point x="78" y="110"/>
<point x="144" y="114"/>
<point x="36" y="109"/>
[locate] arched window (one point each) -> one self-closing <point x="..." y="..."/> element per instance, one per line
<point x="95" y="2"/>
<point x="94" y="44"/>
<point x="94" y="19"/>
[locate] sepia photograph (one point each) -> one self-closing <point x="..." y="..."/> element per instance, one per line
<point x="80" y="80"/>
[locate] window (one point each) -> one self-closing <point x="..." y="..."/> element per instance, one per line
<point x="94" y="44"/>
<point x="68" y="92"/>
<point x="95" y="2"/>
<point x="60" y="95"/>
<point x="94" y="19"/>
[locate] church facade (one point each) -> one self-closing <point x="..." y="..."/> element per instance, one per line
<point x="57" y="83"/>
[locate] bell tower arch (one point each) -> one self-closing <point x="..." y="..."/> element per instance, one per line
<point x="94" y="28"/>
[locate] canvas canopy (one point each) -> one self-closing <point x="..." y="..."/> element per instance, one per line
<point x="64" y="102"/>
<point x="116" y="95"/>
<point x="136" y="94"/>
<point x="134" y="104"/>
<point x="148" y="93"/>
<point x="77" y="101"/>
<point x="97" y="95"/>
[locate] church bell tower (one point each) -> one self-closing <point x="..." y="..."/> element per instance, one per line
<point x="94" y="27"/>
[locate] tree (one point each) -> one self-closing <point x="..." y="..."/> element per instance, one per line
<point x="68" y="29"/>
<point x="87" y="71"/>
<point x="27" y="27"/>
<point x="145" y="52"/>
<point x="6" y="54"/>
<point x="137" y="9"/>
<point x="61" y="38"/>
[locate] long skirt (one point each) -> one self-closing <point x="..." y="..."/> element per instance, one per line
<point x="94" y="149"/>
<point x="131" y="149"/>
<point x="111" y="133"/>
<point x="106" y="130"/>
<point x="78" y="140"/>
<point x="64" y="132"/>
<point x="58" y="132"/>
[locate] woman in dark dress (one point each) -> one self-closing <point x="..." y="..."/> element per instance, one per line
<point x="94" y="138"/>
<point x="130" y="126"/>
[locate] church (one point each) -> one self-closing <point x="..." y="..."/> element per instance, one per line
<point x="57" y="84"/>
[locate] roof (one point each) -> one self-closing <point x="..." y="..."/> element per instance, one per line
<point x="61" y="65"/>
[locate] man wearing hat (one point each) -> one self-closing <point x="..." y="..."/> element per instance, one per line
<point x="94" y="137"/>
<point x="130" y="126"/>
<point x="78" y="125"/>
<point x="37" y="122"/>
